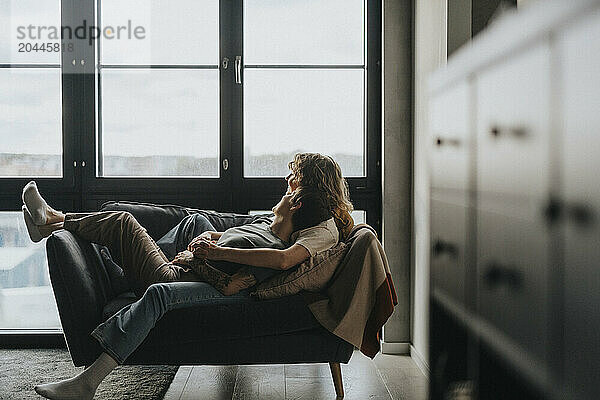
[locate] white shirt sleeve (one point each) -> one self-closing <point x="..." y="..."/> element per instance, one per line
<point x="317" y="238"/>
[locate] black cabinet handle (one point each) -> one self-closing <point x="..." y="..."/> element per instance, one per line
<point x="440" y="247"/>
<point x="516" y="131"/>
<point x="439" y="141"/>
<point x="497" y="275"/>
<point x="581" y="214"/>
<point x="553" y="211"/>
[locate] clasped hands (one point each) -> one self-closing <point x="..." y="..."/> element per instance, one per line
<point x="201" y="247"/>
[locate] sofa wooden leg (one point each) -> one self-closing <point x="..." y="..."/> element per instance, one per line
<point x="336" y="373"/>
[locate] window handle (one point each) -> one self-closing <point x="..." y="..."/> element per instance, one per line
<point x="238" y="70"/>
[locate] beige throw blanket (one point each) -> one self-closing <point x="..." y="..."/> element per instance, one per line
<point x="360" y="296"/>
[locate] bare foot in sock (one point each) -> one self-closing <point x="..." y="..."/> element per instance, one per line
<point x="38" y="232"/>
<point x="82" y="386"/>
<point x="41" y="213"/>
<point x="239" y="281"/>
<point x="69" y="389"/>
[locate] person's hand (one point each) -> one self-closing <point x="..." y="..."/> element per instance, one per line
<point x="204" y="235"/>
<point x="204" y="249"/>
<point x="184" y="258"/>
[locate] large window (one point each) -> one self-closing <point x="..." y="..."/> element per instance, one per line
<point x="198" y="103"/>
<point x="31" y="146"/>
<point x="304" y="83"/>
<point x="26" y="300"/>
<point x="158" y="103"/>
<point x="30" y="83"/>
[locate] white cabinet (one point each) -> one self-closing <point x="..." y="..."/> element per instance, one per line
<point x="513" y="187"/>
<point x="579" y="49"/>
<point x="451" y="158"/>
<point x="448" y="257"/>
<point x="513" y="125"/>
<point x="450" y="138"/>
<point x="515" y="197"/>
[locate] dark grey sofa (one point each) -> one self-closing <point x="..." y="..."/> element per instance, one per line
<point x="250" y="331"/>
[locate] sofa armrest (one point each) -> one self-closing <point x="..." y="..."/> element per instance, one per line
<point x="81" y="288"/>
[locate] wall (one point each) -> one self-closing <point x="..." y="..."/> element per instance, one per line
<point x="430" y="54"/>
<point x="485" y="11"/>
<point x="397" y="84"/>
<point x="458" y="30"/>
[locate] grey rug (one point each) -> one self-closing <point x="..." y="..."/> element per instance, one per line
<point x="22" y="369"/>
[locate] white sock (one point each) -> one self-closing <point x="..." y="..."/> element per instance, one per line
<point x="82" y="386"/>
<point x="35" y="203"/>
<point x="34" y="232"/>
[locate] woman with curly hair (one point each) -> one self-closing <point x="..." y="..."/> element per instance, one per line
<point x="322" y="174"/>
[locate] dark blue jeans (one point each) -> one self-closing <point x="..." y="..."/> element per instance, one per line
<point x="178" y="238"/>
<point x="122" y="333"/>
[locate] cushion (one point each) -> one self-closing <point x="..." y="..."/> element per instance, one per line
<point x="312" y="275"/>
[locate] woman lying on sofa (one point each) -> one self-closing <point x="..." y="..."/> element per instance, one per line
<point x="285" y="242"/>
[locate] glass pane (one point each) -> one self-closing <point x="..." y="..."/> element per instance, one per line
<point x="359" y="217"/>
<point x="259" y="212"/>
<point x="160" y="122"/>
<point x="304" y="32"/>
<point x="30" y="122"/>
<point x="26" y="299"/>
<point x="25" y="23"/>
<point x="168" y="32"/>
<point x="296" y="110"/>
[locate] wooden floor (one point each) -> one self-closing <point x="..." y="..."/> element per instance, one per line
<point x="386" y="377"/>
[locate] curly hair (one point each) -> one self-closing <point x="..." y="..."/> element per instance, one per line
<point x="321" y="173"/>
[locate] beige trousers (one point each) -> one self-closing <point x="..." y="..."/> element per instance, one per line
<point x="142" y="260"/>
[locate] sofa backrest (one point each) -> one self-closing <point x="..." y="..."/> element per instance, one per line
<point x="159" y="219"/>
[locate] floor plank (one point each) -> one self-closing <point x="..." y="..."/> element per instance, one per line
<point x="260" y="382"/>
<point x="309" y="389"/>
<point x="179" y="382"/>
<point x="384" y="378"/>
<point x="307" y="370"/>
<point x="313" y="381"/>
<point x="402" y="377"/>
<point x="210" y="383"/>
<point x="362" y="380"/>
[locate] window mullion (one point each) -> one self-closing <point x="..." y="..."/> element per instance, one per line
<point x="231" y="104"/>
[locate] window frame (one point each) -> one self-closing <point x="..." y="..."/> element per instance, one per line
<point x="80" y="190"/>
<point x="61" y="190"/>
<point x="254" y="193"/>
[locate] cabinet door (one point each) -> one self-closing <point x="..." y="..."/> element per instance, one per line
<point x="450" y="111"/>
<point x="448" y="234"/>
<point x="512" y="259"/>
<point x="513" y="125"/>
<point x="579" y="52"/>
<point x="513" y="185"/>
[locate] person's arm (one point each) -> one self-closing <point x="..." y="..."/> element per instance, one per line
<point x="215" y="235"/>
<point x="267" y="258"/>
<point x="210" y="235"/>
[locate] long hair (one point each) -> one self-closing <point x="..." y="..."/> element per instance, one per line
<point x="320" y="172"/>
